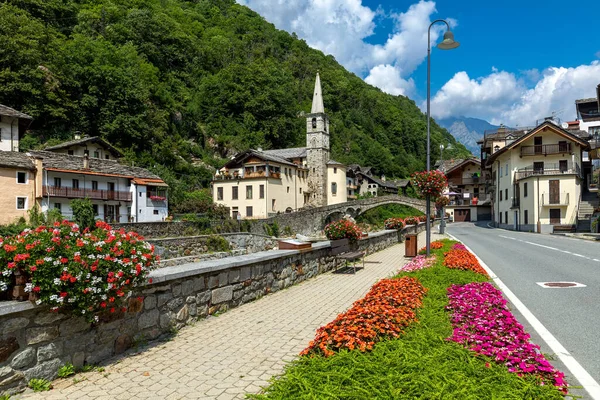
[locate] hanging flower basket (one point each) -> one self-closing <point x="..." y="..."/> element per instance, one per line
<point x="442" y="202"/>
<point x="430" y="183"/>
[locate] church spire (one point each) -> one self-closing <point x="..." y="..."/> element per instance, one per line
<point x="317" y="103"/>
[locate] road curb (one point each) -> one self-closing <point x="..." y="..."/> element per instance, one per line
<point x="584" y="378"/>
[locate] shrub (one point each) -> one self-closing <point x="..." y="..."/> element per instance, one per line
<point x="394" y="223"/>
<point x="342" y="229"/>
<point x="217" y="243"/>
<point x="83" y="272"/>
<point x="83" y="213"/>
<point x="272" y="229"/>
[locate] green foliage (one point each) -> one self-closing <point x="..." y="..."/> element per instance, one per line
<point x="420" y="364"/>
<point x="181" y="85"/>
<point x="39" y="385"/>
<point x="217" y="243"/>
<point x="83" y="212"/>
<point x="53" y="216"/>
<point x="363" y="196"/>
<point x="66" y="370"/>
<point x="287" y="231"/>
<point x="4" y="396"/>
<point x="272" y="229"/>
<point x="377" y="216"/>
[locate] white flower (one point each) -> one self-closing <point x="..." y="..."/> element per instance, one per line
<point x="38" y="302"/>
<point x="28" y="287"/>
<point x="56" y="281"/>
<point x="7" y="272"/>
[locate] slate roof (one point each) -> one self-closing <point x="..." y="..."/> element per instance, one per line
<point x="67" y="163"/>
<point x="333" y="162"/>
<point x="402" y="182"/>
<point x="11" y="112"/>
<point x="447" y="165"/>
<point x="295" y="152"/>
<point x="240" y="157"/>
<point x="14" y="159"/>
<point x="85" y="140"/>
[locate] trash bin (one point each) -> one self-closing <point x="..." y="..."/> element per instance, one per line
<point x="410" y="246"/>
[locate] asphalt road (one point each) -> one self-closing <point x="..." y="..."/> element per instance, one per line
<point x="522" y="259"/>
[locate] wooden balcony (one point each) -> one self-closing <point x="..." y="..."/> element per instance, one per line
<point x="465" y="181"/>
<point x="546" y="149"/>
<point x="71" y="193"/>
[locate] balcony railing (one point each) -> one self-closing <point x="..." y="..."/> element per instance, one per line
<point x="71" y="193"/>
<point x="545" y="149"/>
<point x="516" y="203"/>
<point x="548" y="169"/>
<point x="155" y="203"/>
<point x="465" y="181"/>
<point x="556" y="199"/>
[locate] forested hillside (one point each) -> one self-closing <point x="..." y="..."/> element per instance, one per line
<point x="182" y="85"/>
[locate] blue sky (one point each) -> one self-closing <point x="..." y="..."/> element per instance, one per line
<point x="518" y="61"/>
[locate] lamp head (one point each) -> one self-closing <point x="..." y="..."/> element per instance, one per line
<point x="448" y="43"/>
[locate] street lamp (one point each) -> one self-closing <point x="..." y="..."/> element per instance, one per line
<point x="443" y="221"/>
<point x="447" y="44"/>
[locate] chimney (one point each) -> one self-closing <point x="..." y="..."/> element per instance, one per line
<point x="77" y="135"/>
<point x="383" y="178"/>
<point x="86" y="161"/>
<point x="501" y="129"/>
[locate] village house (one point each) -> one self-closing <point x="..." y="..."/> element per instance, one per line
<point x="17" y="170"/>
<point x="86" y="167"/>
<point x="362" y="182"/>
<point x="258" y="183"/>
<point x="467" y="194"/>
<point x="536" y="176"/>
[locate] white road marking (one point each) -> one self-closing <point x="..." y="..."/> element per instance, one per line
<point x="586" y="380"/>
<point x="548" y="247"/>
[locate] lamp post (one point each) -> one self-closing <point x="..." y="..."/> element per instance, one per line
<point x="443" y="221"/>
<point x="447" y="44"/>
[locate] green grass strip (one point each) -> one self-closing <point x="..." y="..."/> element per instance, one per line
<point x="421" y="364"/>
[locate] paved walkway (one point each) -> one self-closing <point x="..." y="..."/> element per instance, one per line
<point x="237" y="352"/>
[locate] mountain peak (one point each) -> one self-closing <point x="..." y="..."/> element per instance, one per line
<point x="467" y="130"/>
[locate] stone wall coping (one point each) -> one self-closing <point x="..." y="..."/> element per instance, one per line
<point x="12" y="307"/>
<point x="185" y="270"/>
<point x="207" y="236"/>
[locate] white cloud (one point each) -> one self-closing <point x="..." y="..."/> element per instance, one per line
<point x="480" y="97"/>
<point x="341" y="27"/>
<point x="556" y="91"/>
<point x="387" y="78"/>
<point x="502" y="97"/>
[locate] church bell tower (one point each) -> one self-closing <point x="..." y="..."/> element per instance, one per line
<point x="317" y="148"/>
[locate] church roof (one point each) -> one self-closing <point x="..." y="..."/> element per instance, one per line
<point x="333" y="162"/>
<point x="295" y="152"/>
<point x="317" y="103"/>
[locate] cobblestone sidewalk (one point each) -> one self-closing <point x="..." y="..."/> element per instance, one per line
<point x="237" y="352"/>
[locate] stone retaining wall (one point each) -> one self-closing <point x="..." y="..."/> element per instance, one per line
<point x="35" y="342"/>
<point x="200" y="245"/>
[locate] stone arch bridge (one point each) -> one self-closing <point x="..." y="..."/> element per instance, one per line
<point x="311" y="220"/>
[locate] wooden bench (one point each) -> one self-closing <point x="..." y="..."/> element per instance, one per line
<point x="341" y="250"/>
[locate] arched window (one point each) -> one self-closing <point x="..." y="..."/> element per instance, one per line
<point x="314" y="123"/>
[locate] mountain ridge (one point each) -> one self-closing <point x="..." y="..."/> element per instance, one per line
<point x="467" y="130"/>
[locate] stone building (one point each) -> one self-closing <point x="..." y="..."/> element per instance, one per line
<point x="284" y="180"/>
